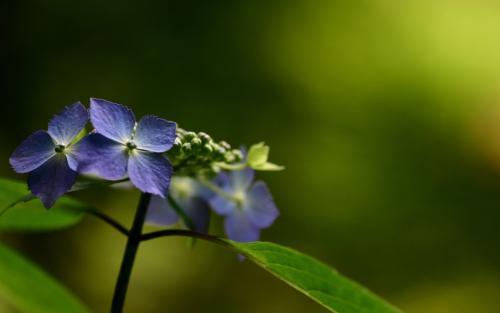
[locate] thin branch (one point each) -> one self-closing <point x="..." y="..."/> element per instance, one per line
<point x="180" y="211"/>
<point x="210" y="185"/>
<point x="108" y="220"/>
<point x="183" y="233"/>
<point x="86" y="184"/>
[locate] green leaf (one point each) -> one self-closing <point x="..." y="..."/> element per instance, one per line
<point x="268" y="166"/>
<point x="313" y="278"/>
<point x="258" y="155"/>
<point x="29" y="289"/>
<point x="32" y="216"/>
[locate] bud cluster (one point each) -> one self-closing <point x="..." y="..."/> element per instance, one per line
<point x="198" y="154"/>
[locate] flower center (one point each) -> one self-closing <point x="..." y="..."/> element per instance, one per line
<point x="239" y="198"/>
<point x="182" y="187"/>
<point x="59" y="148"/>
<point x="130" y="145"/>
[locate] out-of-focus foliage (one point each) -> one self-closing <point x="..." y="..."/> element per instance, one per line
<point x="385" y="114"/>
<point x="18" y="215"/>
<point x="41" y="295"/>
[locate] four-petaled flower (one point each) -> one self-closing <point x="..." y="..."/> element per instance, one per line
<point x="191" y="196"/>
<point x="120" y="147"/>
<point x="50" y="157"/>
<point x="248" y="207"/>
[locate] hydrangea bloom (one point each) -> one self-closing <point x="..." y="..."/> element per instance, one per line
<point x="191" y="196"/>
<point x="248" y="207"/>
<point x="120" y="146"/>
<point x="49" y="156"/>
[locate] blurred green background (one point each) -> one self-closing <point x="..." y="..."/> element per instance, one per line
<point x="386" y="114"/>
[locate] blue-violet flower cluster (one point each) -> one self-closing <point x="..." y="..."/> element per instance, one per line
<point x="206" y="177"/>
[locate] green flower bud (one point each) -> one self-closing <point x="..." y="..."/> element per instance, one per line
<point x="196" y="141"/>
<point x="218" y="150"/>
<point x="207" y="149"/>
<point x="229" y="157"/>
<point x="204" y="137"/>
<point x="225" y="145"/>
<point x="188" y="136"/>
<point x="178" y="141"/>
<point x="186" y="148"/>
<point x="238" y="155"/>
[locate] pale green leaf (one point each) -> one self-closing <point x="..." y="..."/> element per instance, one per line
<point x="268" y="166"/>
<point x="257" y="157"/>
<point x="313" y="278"/>
<point x="257" y="154"/>
<point x="30" y="290"/>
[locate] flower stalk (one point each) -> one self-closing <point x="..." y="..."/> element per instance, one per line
<point x="133" y="241"/>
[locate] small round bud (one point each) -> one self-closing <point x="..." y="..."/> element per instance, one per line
<point x="238" y="155"/>
<point x="221" y="150"/>
<point x="219" y="153"/>
<point x="229" y="157"/>
<point x="225" y="145"/>
<point x="189" y="136"/>
<point x="204" y="137"/>
<point x="186" y="148"/>
<point x="207" y="149"/>
<point x="196" y="142"/>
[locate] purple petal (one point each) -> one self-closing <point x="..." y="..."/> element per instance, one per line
<point x="160" y="213"/>
<point x="155" y="134"/>
<point x="32" y="152"/>
<point x="72" y="161"/>
<point x="112" y="120"/>
<point x="51" y="180"/>
<point x="260" y="206"/>
<point x="239" y="228"/>
<point x="222" y="206"/>
<point x="219" y="204"/>
<point x="241" y="180"/>
<point x="221" y="180"/>
<point x="150" y="172"/>
<point x="98" y="155"/>
<point x="203" y="192"/>
<point x="64" y="126"/>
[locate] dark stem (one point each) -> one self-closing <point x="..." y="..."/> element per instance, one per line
<point x="183" y="233"/>
<point x="109" y="220"/>
<point x="134" y="239"/>
<point x="180" y="211"/>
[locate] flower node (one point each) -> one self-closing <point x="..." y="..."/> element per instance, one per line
<point x="59" y="148"/>
<point x="131" y="146"/>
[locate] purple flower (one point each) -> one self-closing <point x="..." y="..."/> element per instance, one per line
<point x="191" y="196"/>
<point x="248" y="207"/>
<point x="120" y="146"/>
<point x="50" y="157"/>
